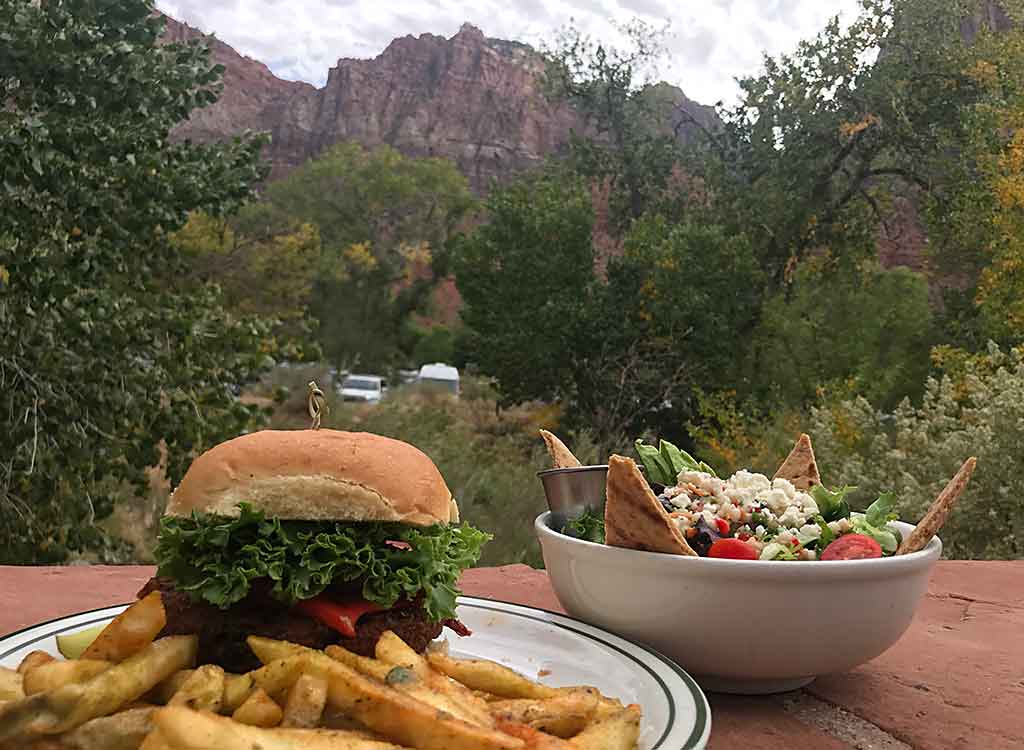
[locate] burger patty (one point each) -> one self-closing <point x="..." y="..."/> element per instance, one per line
<point x="222" y="633"/>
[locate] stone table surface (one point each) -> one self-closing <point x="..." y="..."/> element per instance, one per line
<point x="955" y="680"/>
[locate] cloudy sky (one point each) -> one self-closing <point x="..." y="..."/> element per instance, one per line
<point x="710" y="41"/>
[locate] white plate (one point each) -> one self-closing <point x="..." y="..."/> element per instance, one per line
<point x="557" y="649"/>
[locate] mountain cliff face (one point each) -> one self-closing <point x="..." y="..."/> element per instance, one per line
<point x="471" y="99"/>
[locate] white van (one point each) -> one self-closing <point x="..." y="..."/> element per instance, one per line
<point x="439" y="376"/>
<point x="366" y="388"/>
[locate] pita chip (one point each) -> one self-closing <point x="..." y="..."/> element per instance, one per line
<point x="560" y="454"/>
<point x="800" y="468"/>
<point x="938" y="512"/>
<point x="633" y="517"/>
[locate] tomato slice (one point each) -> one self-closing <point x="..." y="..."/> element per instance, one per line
<point x="723" y="526"/>
<point x="733" y="549"/>
<point x="339" y="616"/>
<point x="852" y="547"/>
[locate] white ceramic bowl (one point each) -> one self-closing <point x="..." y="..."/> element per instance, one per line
<point x="742" y="626"/>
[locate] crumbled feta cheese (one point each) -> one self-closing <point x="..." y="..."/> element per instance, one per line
<point x="785" y="486"/>
<point x="841" y="526"/>
<point x="811" y="530"/>
<point x="746" y="480"/>
<point x="776" y="499"/>
<point x="810" y="507"/>
<point x="791" y="517"/>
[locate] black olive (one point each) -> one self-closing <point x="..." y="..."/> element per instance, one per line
<point x="706" y="536"/>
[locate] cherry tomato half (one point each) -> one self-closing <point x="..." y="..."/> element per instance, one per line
<point x="723" y="526"/>
<point x="733" y="549"/>
<point x="852" y="547"/>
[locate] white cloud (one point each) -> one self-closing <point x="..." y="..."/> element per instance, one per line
<point x="709" y="43"/>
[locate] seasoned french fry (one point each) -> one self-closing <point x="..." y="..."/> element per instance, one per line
<point x="124" y="730"/>
<point x="411" y="722"/>
<point x="268" y="650"/>
<point x="155" y="740"/>
<point x="54" y="674"/>
<point x="72" y="705"/>
<point x="166" y="689"/>
<point x="434" y="689"/>
<point x="619" y="731"/>
<point x="392" y="650"/>
<point x="489" y="677"/>
<point x="203" y="690"/>
<point x="362" y="664"/>
<point x="259" y="710"/>
<point x="192" y="730"/>
<point x="305" y="703"/>
<point x="33" y="660"/>
<point x="129" y="632"/>
<point x="274" y="678"/>
<point x="11" y="685"/>
<point x="533" y="739"/>
<point x="564" y="715"/>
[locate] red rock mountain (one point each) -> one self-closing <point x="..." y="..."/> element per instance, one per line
<point x="470" y="98"/>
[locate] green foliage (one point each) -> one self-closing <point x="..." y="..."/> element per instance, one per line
<point x="436" y="344"/>
<point x="975" y="409"/>
<point x="866" y="328"/>
<point x="384" y="221"/>
<point x="217" y="558"/>
<point x="526" y="279"/>
<point x="631" y="143"/>
<point x="103" y="354"/>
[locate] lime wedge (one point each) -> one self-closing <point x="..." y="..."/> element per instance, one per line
<point x="73" y="645"/>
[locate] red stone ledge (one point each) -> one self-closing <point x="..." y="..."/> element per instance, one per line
<point x="954" y="681"/>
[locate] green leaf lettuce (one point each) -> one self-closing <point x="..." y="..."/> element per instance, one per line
<point x="216" y="559"/>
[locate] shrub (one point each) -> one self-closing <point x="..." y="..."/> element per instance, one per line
<point x="974" y="408"/>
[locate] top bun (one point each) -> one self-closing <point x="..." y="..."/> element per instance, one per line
<point x="317" y="475"/>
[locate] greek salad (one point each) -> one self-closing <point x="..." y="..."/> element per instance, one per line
<point x="750" y="517"/>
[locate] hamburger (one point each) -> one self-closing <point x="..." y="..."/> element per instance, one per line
<point x="316" y="537"/>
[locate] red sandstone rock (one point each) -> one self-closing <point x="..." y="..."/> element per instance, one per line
<point x="474" y="100"/>
<point x="955" y="680"/>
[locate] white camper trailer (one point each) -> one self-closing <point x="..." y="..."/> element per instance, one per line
<point x="439" y="376"/>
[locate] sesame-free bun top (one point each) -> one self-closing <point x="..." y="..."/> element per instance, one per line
<point x="317" y="475"/>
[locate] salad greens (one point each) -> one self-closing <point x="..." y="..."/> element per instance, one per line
<point x="588" y="525"/>
<point x="832" y="505"/>
<point x="216" y="558"/>
<point x="873" y="523"/>
<point x="664" y="463"/>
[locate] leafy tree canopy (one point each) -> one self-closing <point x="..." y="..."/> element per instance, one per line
<point x="103" y="352"/>
<point x="384" y="220"/>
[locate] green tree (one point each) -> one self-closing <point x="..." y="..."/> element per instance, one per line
<point x="631" y="137"/>
<point x="618" y="340"/>
<point x="102" y="355"/>
<point x="865" y="328"/>
<point x="384" y="220"/>
<point x="269" y="275"/>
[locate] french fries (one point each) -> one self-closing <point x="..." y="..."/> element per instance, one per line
<point x="489" y="677"/>
<point x="130" y="631"/>
<point x="563" y="716"/>
<point x="305" y="703"/>
<point x="202" y="690"/>
<point x="183" y="729"/>
<point x="300" y="699"/>
<point x="54" y="674"/>
<point x="11" y="685"/>
<point x="124" y="730"/>
<point x="259" y="710"/>
<point x="33" y="660"/>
